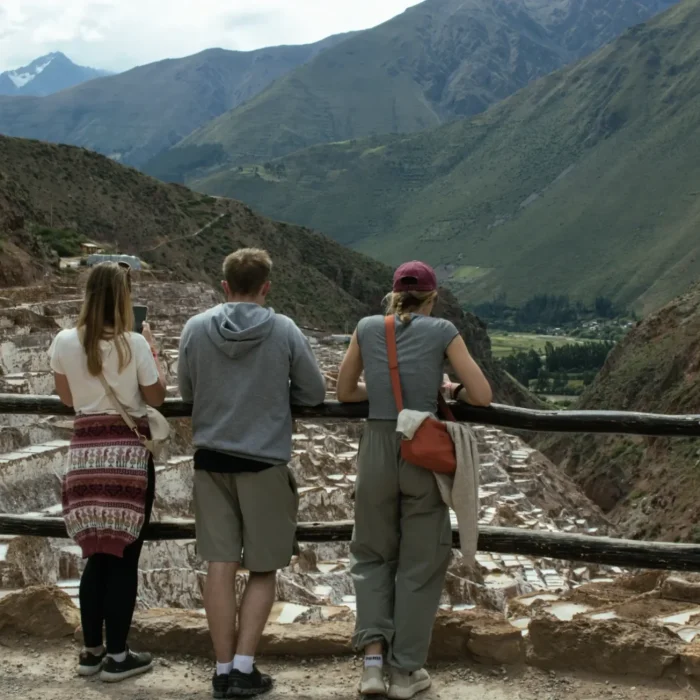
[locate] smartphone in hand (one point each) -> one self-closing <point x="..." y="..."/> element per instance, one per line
<point x="140" y="313"/>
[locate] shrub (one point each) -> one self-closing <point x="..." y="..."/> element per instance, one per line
<point x="65" y="242"/>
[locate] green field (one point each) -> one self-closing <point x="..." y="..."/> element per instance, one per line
<point x="505" y="344"/>
<point x="557" y="384"/>
<point x="467" y="273"/>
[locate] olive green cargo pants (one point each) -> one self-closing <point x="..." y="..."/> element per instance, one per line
<point x="400" y="550"/>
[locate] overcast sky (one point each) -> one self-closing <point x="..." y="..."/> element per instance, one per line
<point x="120" y="34"/>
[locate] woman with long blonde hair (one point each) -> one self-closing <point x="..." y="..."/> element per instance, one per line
<point x="109" y="488"/>
<point x="402" y="540"/>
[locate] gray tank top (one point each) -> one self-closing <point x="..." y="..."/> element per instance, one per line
<point x="421" y="346"/>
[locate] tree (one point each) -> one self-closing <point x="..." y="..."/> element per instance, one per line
<point x="577" y="357"/>
<point x="524" y="366"/>
<point x="542" y="383"/>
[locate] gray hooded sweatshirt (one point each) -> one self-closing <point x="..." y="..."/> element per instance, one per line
<point x="241" y="366"/>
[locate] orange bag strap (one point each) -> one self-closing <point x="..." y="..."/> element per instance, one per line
<point x="393" y="355"/>
<point x="444" y="410"/>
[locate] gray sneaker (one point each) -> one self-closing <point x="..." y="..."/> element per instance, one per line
<point x="372" y="682"/>
<point x="404" y="685"/>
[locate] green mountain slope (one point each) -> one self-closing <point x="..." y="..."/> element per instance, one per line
<point x="440" y="60"/>
<point x="587" y="182"/>
<point x="134" y="115"/>
<point x="54" y="196"/>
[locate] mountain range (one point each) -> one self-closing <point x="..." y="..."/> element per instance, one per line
<point x="586" y="182"/>
<point x="538" y="193"/>
<point x="438" y="61"/>
<point x="47" y="75"/>
<point x="134" y="115"/>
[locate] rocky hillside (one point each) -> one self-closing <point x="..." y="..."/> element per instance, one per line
<point x="648" y="486"/>
<point x="60" y="195"/>
<point x="53" y="197"/>
<point x="584" y="183"/>
<point x="439" y="60"/>
<point x="134" y="115"/>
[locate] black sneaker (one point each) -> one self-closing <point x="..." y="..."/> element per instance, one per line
<point x="133" y="665"/>
<point x="219" y="685"/>
<point x="245" y="685"/>
<point x="89" y="664"/>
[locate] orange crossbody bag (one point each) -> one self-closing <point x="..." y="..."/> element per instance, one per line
<point x="431" y="446"/>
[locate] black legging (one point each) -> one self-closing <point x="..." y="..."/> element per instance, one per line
<point x="108" y="588"/>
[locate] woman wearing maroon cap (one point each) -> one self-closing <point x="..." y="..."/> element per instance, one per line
<point x="402" y="540"/>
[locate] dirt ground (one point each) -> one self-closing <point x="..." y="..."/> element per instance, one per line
<point x="36" y="670"/>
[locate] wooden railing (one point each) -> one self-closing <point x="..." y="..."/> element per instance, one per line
<point x="570" y="547"/>
<point x="506" y="540"/>
<point x="619" y="422"/>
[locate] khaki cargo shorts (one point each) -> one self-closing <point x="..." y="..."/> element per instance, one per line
<point x="249" y="517"/>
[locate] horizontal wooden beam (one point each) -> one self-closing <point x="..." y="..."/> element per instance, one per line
<point x="618" y="422"/>
<point x="538" y="544"/>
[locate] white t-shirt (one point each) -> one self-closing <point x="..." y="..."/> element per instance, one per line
<point x="68" y="357"/>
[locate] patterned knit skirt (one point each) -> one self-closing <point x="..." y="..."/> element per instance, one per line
<point x="104" y="491"/>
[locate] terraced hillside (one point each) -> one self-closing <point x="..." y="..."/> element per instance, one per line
<point x="519" y="487"/>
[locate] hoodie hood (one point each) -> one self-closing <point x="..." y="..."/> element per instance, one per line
<point x="237" y="328"/>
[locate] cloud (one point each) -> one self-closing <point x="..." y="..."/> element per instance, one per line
<point x="239" y="20"/>
<point x="119" y="34"/>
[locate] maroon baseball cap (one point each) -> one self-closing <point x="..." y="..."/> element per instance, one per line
<point x="415" y="276"/>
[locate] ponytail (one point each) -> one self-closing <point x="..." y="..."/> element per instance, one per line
<point x="403" y="304"/>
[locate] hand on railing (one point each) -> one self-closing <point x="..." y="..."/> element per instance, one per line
<point x="448" y="388"/>
<point x="331" y="379"/>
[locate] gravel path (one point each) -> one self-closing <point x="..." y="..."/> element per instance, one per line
<point x="36" y="670"/>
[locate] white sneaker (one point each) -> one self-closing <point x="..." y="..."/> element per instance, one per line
<point x="404" y="686"/>
<point x="372" y="682"/>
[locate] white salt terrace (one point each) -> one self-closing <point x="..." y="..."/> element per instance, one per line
<point x="519" y="487"/>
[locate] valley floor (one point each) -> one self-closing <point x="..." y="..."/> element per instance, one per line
<point x="34" y="670"/>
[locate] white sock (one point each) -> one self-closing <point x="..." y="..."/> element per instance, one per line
<point x="95" y="651"/>
<point x="224" y="669"/>
<point x="374" y="660"/>
<point x="119" y="658"/>
<point x="244" y="664"/>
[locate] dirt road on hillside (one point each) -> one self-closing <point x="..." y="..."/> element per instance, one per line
<point x="31" y="670"/>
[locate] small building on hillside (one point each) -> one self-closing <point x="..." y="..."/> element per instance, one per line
<point x="89" y="248"/>
<point x="98" y="258"/>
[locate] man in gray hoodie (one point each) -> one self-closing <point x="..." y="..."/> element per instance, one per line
<point x="241" y="366"/>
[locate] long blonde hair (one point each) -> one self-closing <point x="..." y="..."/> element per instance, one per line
<point x="406" y="303"/>
<point x="106" y="314"/>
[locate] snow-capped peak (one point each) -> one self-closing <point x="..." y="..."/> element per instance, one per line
<point x="22" y="76"/>
<point x="46" y="75"/>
